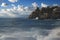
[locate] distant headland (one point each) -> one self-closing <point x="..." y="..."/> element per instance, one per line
<point x="46" y="13"/>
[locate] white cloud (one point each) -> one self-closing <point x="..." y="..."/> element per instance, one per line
<point x="20" y="8"/>
<point x="34" y="4"/>
<point x="26" y="8"/>
<point x="55" y="4"/>
<point x="4" y="5"/>
<point x="13" y="1"/>
<point x="43" y="5"/>
<point x="15" y="11"/>
<point x="6" y="13"/>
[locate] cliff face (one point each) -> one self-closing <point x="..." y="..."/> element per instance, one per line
<point x="46" y="13"/>
<point x="35" y="14"/>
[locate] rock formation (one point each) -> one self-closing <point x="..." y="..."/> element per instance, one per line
<point x="46" y="13"/>
<point x="35" y="14"/>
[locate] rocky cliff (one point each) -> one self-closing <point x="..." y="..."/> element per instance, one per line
<point x="46" y="13"/>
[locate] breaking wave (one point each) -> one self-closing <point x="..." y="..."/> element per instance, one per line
<point x="30" y="34"/>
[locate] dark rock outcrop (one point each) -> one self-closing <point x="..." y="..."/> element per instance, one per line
<point x="35" y="14"/>
<point x="46" y="13"/>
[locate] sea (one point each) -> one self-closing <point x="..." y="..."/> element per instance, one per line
<point x="29" y="29"/>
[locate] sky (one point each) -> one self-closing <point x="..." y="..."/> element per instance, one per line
<point x="16" y="8"/>
<point x="29" y="2"/>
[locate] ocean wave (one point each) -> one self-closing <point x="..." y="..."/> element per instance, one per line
<point x="31" y="34"/>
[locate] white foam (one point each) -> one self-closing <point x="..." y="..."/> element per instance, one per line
<point x="33" y="34"/>
<point x="53" y="35"/>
